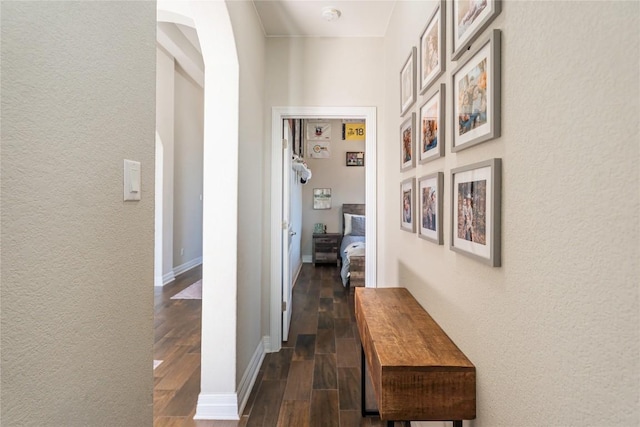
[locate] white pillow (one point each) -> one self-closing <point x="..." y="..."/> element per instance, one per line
<point x="347" y="223"/>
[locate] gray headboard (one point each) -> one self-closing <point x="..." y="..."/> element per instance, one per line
<point x="351" y="208"/>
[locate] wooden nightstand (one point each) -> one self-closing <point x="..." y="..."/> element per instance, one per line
<point x="326" y="247"/>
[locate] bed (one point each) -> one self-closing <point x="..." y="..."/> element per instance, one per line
<point x="352" y="246"/>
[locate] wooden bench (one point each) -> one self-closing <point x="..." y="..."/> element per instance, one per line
<point x="417" y="372"/>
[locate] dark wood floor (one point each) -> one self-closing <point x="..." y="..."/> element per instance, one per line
<point x="313" y="381"/>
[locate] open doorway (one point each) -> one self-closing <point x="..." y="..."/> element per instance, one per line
<point x="368" y="114"/>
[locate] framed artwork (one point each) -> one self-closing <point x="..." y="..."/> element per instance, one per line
<point x="432" y="50"/>
<point x="430" y="207"/>
<point x="353" y="131"/>
<point x="476" y="96"/>
<point x="407" y="154"/>
<point x="319" y="149"/>
<point x="475" y="211"/>
<point x="355" y="158"/>
<point x="321" y="198"/>
<point x="318" y="131"/>
<point x="408" y="83"/>
<point x="470" y="18"/>
<point x="431" y="126"/>
<point x="407" y="192"/>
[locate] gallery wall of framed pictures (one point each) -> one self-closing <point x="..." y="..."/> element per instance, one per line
<point x="465" y="98"/>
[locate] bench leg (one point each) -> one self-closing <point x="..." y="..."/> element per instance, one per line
<point x="457" y="423"/>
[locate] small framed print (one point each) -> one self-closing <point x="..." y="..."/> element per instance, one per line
<point x="470" y="18"/>
<point x="321" y="198"/>
<point x="430" y="207"/>
<point x="475" y="211"/>
<point x="476" y="96"/>
<point x="431" y="126"/>
<point x="407" y="155"/>
<point x="432" y="52"/>
<point x="355" y="158"/>
<point x="407" y="192"/>
<point x="318" y="131"/>
<point x="408" y="83"/>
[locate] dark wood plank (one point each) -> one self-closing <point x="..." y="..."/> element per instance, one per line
<point x="294" y="413"/>
<point x="348" y="387"/>
<point x="266" y="409"/>
<point x="305" y="348"/>
<point x="325" y="341"/>
<point x="325" y="372"/>
<point x="348" y="353"/>
<point x="299" y="381"/>
<point x="278" y="365"/>
<point x="324" y="408"/>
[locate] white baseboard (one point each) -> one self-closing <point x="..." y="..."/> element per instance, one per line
<point x="295" y="276"/>
<point x="187" y="266"/>
<point x="219" y="406"/>
<point x="168" y="278"/>
<point x="250" y="375"/>
<point x="224" y="406"/>
<point x="307" y="259"/>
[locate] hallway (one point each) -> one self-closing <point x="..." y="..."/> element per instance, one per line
<point x="313" y="381"/>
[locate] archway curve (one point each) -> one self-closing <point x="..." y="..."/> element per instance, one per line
<point x="218" y="397"/>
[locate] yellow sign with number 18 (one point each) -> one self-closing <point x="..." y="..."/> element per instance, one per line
<point x="354" y="131"/>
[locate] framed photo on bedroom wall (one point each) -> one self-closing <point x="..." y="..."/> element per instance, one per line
<point x="476" y="96"/>
<point x="469" y="19"/>
<point x="432" y="52"/>
<point x="407" y="151"/>
<point x="431" y="126"/>
<point x="407" y="203"/>
<point x="408" y="83"/>
<point x="430" y="207"/>
<point x="475" y="211"/>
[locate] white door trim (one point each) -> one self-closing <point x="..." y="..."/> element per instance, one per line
<point x="277" y="115"/>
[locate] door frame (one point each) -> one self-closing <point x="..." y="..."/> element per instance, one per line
<point x="368" y="114"/>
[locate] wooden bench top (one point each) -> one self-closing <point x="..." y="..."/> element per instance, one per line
<point x="417" y="372"/>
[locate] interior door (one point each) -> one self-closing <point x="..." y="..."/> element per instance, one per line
<point x="287" y="232"/>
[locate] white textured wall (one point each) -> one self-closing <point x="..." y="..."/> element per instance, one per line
<point x="251" y="47"/>
<point x="78" y="97"/>
<point x="554" y="332"/>
<point x="346" y="183"/>
<point x="187" y="207"/>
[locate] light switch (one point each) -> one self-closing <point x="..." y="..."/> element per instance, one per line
<point x="131" y="180"/>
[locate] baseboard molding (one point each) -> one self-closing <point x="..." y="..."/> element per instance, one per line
<point x="224" y="406"/>
<point x="187" y="266"/>
<point x="168" y="278"/>
<point x="295" y="276"/>
<point x="307" y="259"/>
<point x="250" y="375"/>
<point x="266" y="342"/>
<point x="219" y="406"/>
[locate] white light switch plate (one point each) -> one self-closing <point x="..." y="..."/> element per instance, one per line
<point x="131" y="180"/>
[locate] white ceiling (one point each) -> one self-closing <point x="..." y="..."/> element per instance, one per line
<point x="303" y="18"/>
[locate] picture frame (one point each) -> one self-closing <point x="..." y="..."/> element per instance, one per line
<point x="408" y="82"/>
<point x="476" y="95"/>
<point x="469" y="19"/>
<point x="407" y="202"/>
<point x="430" y="128"/>
<point x="355" y="158"/>
<point x="318" y="131"/>
<point x="475" y="211"/>
<point x="321" y="198"/>
<point x="430" y="207"/>
<point x="407" y="146"/>
<point x="432" y="48"/>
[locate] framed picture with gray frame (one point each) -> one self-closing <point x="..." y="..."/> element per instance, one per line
<point x="476" y="96"/>
<point x="407" y="203"/>
<point x="408" y="83"/>
<point x="432" y="51"/>
<point x="430" y="207"/>
<point x="469" y="19"/>
<point x="475" y="211"/>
